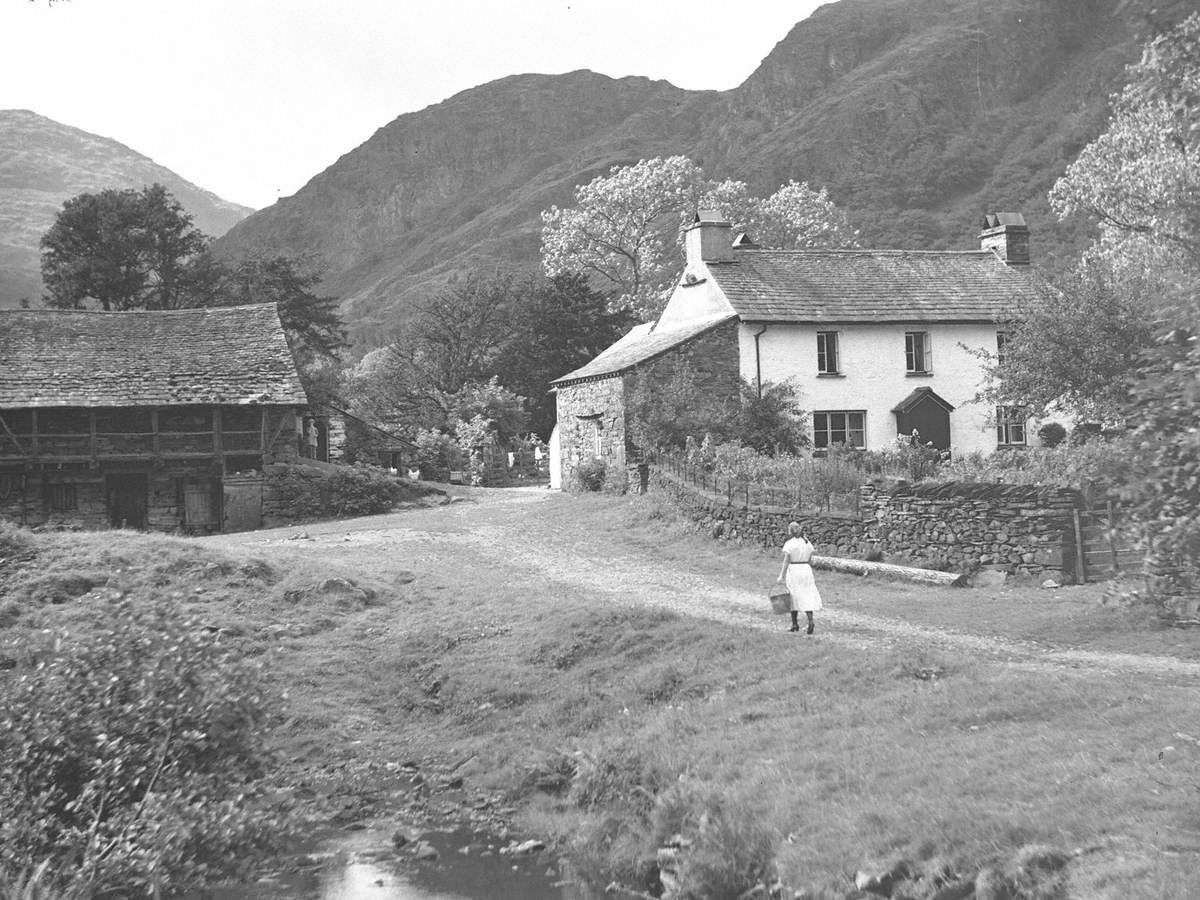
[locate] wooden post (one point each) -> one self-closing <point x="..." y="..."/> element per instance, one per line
<point x="1080" y="567"/>
<point x="747" y="489"/>
<point x="262" y="438"/>
<point x="92" y="434"/>
<point x="33" y="438"/>
<point x="154" y="443"/>
<point x="218" y="438"/>
<point x="1112" y="545"/>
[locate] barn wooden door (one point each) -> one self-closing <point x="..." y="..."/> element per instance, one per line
<point x="243" y="504"/>
<point x="126" y="497"/>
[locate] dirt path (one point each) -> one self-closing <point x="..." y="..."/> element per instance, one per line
<point x="502" y="535"/>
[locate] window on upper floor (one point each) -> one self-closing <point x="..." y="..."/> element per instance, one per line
<point x="839" y="427"/>
<point x="918" y="353"/>
<point x="1010" y="426"/>
<point x="828" y="360"/>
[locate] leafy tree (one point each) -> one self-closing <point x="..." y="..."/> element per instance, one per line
<point x="771" y="421"/>
<point x="480" y="336"/>
<point x="1076" y="348"/>
<point x="1141" y="183"/>
<point x="1140" y="179"/>
<point x="625" y="227"/>
<point x="559" y="325"/>
<point x="502" y="412"/>
<point x="122" y="249"/>
<point x="313" y="323"/>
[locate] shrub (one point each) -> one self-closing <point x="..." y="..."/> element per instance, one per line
<point x="309" y="492"/>
<point x="1052" y="434"/>
<point x="590" y="474"/>
<point x="129" y="758"/>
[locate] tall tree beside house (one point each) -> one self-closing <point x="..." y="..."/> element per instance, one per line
<point x="314" y="326"/>
<point x="560" y="324"/>
<point x="122" y="249"/>
<point x="625" y="230"/>
<point x="1076" y="348"/>
<point x="486" y="335"/>
<point x="1140" y="183"/>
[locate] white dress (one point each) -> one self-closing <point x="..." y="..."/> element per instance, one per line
<point x="799" y="580"/>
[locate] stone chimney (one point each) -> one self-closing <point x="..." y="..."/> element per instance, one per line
<point x="708" y="238"/>
<point x="1008" y="236"/>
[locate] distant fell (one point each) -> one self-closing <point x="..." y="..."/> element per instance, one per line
<point x="44" y="163"/>
<point x="918" y="115"/>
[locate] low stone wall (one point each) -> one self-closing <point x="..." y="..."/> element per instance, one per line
<point x="761" y="526"/>
<point x="964" y="527"/>
<point x="956" y="527"/>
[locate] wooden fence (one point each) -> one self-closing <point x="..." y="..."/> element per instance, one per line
<point x="749" y="494"/>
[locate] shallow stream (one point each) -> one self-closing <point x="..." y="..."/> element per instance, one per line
<point x="363" y="865"/>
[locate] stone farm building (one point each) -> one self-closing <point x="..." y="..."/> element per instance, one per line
<point x="877" y="342"/>
<point x="153" y="420"/>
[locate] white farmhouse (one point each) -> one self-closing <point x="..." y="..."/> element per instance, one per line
<point x="876" y="342"/>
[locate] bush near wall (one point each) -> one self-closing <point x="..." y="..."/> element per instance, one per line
<point x="310" y="492"/>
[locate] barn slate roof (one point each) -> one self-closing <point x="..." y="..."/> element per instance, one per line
<point x="865" y="286"/>
<point x="79" y="358"/>
<point x="640" y="344"/>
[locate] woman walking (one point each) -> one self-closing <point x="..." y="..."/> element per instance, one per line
<point x="797" y="574"/>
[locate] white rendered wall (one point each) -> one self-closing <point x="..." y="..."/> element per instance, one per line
<point x="701" y="299"/>
<point x="873" y="374"/>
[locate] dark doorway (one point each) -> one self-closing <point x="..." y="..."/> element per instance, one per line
<point x="127" y="500"/>
<point x="928" y="414"/>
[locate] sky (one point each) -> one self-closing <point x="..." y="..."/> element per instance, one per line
<point x="252" y="98"/>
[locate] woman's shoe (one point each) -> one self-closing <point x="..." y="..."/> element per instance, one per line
<point x="794" y="628"/>
<point x="810" y="628"/>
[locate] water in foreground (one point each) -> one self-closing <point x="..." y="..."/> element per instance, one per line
<point x="364" y="866"/>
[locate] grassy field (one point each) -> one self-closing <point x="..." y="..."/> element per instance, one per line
<point x="612" y="728"/>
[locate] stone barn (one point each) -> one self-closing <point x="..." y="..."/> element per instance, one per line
<point x="159" y="420"/>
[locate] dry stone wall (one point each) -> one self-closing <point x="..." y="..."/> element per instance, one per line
<point x="964" y="527"/>
<point x="956" y="527"/>
<point x="761" y="526"/>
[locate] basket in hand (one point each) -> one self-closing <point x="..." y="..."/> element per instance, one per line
<point x="780" y="597"/>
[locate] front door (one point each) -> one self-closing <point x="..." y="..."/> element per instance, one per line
<point x="928" y="414"/>
<point x="127" y="500"/>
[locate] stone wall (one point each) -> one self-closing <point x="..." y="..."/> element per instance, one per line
<point x="963" y="527"/>
<point x="760" y="526"/>
<point x="955" y="527"/>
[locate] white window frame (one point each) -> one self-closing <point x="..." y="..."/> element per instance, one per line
<point x="827" y="433"/>
<point x="825" y="351"/>
<point x="918" y="353"/>
<point x="1012" y="427"/>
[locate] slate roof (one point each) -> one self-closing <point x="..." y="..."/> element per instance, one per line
<point x="638" y="346"/>
<point x="224" y="355"/>
<point x="871" y="286"/>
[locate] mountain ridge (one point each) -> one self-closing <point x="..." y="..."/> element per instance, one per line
<point x="917" y="115"/>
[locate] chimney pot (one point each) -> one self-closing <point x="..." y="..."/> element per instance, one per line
<point x="707" y="239"/>
<point x="1007" y="235"/>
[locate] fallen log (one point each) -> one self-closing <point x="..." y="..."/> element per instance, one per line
<point x="910" y="573"/>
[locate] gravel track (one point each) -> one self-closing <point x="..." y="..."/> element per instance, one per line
<point x="499" y="532"/>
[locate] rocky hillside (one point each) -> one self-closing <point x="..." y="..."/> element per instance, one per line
<point x="43" y="163"/>
<point x="919" y="115"/>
